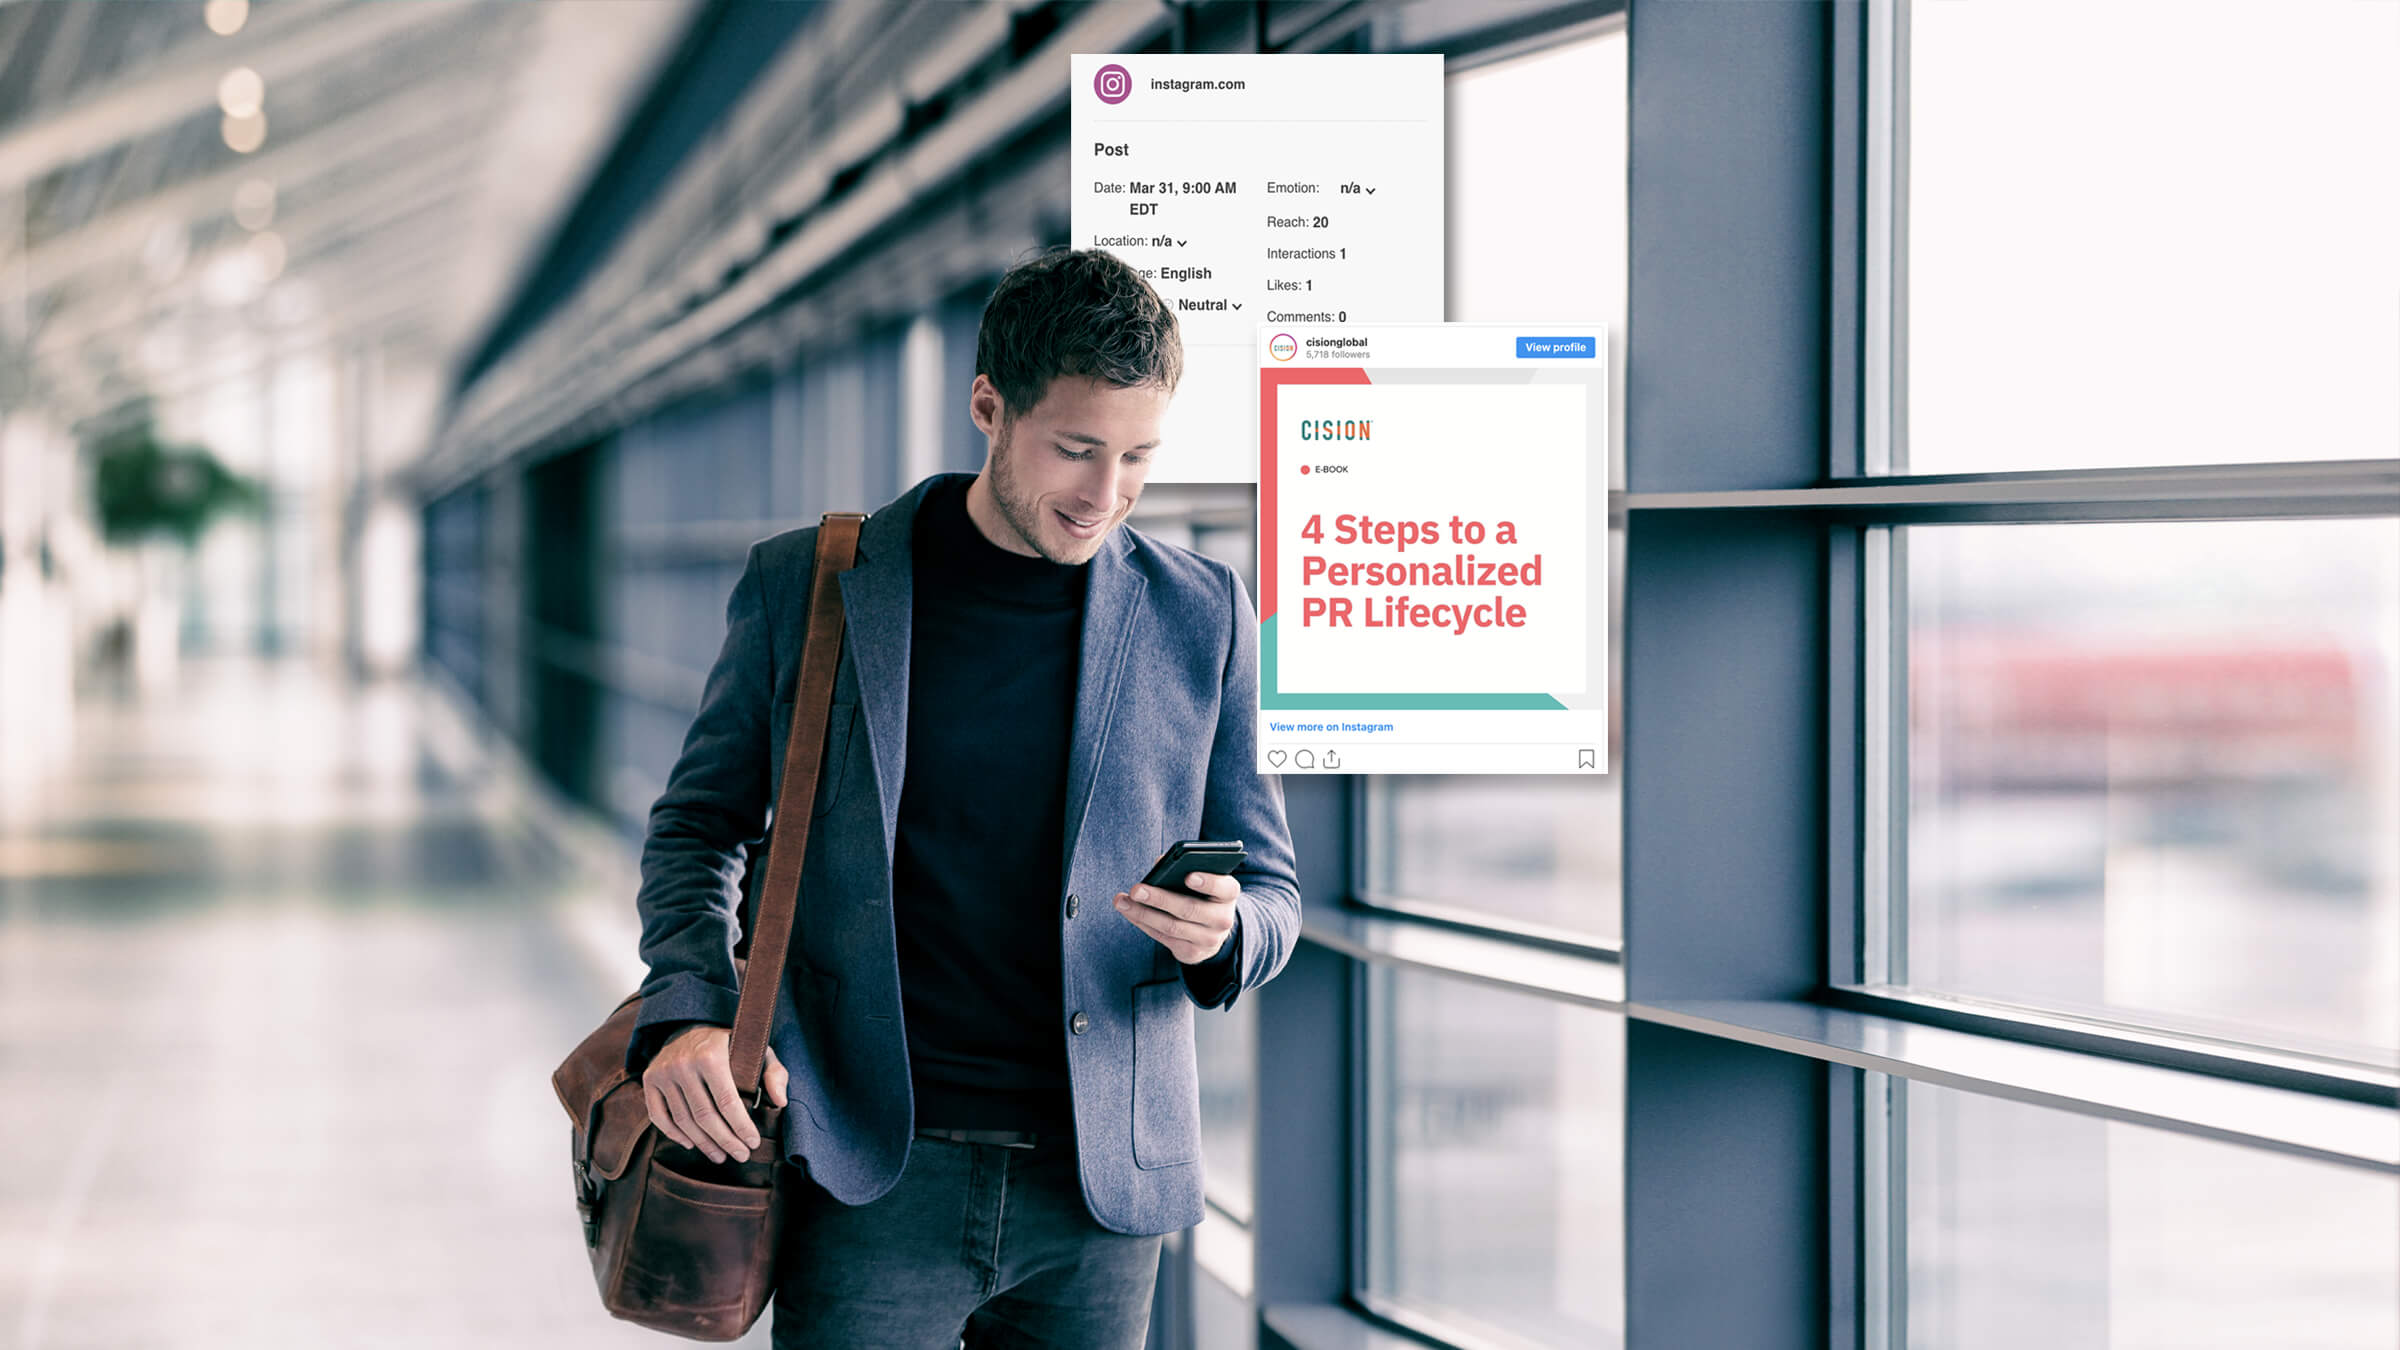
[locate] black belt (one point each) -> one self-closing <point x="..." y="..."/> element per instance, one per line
<point x="1004" y="1138"/>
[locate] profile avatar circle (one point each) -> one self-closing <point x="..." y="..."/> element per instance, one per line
<point x="1113" y="83"/>
<point x="1283" y="347"/>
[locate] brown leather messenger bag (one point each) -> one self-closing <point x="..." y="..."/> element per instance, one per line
<point x="679" y="1243"/>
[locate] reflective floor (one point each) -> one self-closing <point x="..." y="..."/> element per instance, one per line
<point x="282" y="980"/>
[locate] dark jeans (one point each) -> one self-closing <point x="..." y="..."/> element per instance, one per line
<point x="978" y="1240"/>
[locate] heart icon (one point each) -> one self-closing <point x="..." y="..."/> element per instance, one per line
<point x="1275" y="757"/>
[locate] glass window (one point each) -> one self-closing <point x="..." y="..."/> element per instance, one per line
<point x="1531" y="849"/>
<point x="1495" y="1160"/>
<point x="1219" y="520"/>
<point x="2154" y="772"/>
<point x="1221" y="1319"/>
<point x="1227" y="1039"/>
<point x="1525" y="240"/>
<point x="1539" y="850"/>
<point x="1429" y="23"/>
<point x="2034" y="1227"/>
<point x="2150" y="232"/>
<point x="1535" y="850"/>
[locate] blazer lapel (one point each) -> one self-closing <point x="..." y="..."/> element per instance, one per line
<point x="876" y="596"/>
<point x="1112" y="601"/>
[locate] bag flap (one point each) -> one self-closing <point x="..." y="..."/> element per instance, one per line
<point x="624" y="1116"/>
<point x="598" y="1064"/>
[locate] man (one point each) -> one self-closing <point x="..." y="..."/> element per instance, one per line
<point x="990" y="1077"/>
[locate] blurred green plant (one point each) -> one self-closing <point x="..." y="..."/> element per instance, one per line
<point x="142" y="488"/>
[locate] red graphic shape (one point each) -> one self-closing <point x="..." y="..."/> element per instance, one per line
<point x="1268" y="382"/>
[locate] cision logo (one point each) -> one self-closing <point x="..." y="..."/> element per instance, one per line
<point x="1113" y="83"/>
<point x="1337" y="429"/>
<point x="1283" y="347"/>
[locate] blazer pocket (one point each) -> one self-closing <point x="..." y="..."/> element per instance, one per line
<point x="832" y="769"/>
<point x="1166" y="1077"/>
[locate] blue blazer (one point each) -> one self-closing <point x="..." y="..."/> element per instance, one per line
<point x="1164" y="749"/>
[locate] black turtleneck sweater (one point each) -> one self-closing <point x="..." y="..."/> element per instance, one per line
<point x="977" y="868"/>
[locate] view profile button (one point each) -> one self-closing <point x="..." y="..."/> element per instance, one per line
<point x="1536" y="348"/>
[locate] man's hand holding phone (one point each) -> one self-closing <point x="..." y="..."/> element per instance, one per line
<point x="1190" y="913"/>
<point x="689" y="1089"/>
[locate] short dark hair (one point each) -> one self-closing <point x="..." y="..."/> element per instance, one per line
<point x="1075" y="312"/>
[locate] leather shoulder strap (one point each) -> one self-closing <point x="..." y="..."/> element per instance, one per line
<point x="820" y="661"/>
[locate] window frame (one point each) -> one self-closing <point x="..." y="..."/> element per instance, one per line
<point x="1366" y="897"/>
<point x="1867" y="919"/>
<point x="1370" y="1019"/>
<point x="1516" y="954"/>
<point x="1308" y="1229"/>
<point x="1743" y="1040"/>
<point x="1885" y="500"/>
<point x="1559" y="25"/>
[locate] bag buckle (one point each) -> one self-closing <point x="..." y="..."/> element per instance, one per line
<point x="586" y="1198"/>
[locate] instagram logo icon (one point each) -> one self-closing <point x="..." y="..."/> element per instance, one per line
<point x="1113" y="83"/>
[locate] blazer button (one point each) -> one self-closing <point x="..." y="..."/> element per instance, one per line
<point x="1079" y="1024"/>
<point x="1071" y="906"/>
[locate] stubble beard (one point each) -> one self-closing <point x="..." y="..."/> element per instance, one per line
<point x="1023" y="516"/>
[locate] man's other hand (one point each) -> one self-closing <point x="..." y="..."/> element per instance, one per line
<point x="1193" y="926"/>
<point x="689" y="1090"/>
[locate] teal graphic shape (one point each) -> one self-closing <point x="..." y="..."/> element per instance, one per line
<point x="1269" y="698"/>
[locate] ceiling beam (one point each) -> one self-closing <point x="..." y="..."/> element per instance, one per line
<point x="111" y="332"/>
<point x="64" y="52"/>
<point x="370" y="133"/>
<point x="585" y="355"/>
<point x="285" y="44"/>
<point x="318" y="243"/>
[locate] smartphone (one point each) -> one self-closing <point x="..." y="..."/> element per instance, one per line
<point x="1193" y="855"/>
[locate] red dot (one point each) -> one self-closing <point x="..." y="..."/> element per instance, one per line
<point x="1304" y="468"/>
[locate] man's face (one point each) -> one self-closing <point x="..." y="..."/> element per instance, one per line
<point x="1066" y="471"/>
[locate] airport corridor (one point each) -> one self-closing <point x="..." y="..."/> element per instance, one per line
<point x="282" y="978"/>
